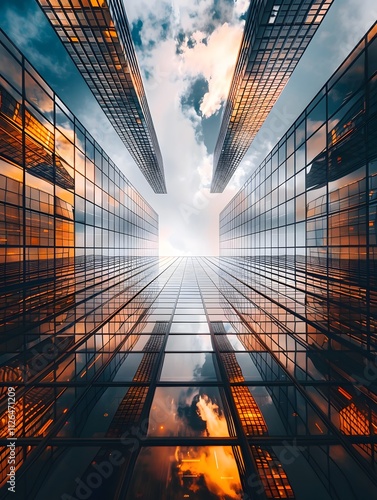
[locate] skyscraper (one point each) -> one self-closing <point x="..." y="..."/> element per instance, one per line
<point x="249" y="375"/>
<point x="74" y="231"/>
<point x="64" y="203"/>
<point x="275" y="37"/>
<point x="299" y="240"/>
<point x="97" y="36"/>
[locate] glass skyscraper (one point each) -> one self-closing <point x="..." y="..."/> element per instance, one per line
<point x="97" y="35"/>
<point x="167" y="390"/>
<point x="69" y="217"/>
<point x="275" y="37"/>
<point x="126" y="375"/>
<point x="299" y="240"/>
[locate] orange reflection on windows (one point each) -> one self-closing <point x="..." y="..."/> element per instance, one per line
<point x="29" y="411"/>
<point x="38" y="131"/>
<point x="110" y="33"/>
<point x="344" y="393"/>
<point x="250" y="415"/>
<point x="97" y="3"/>
<point x="271" y="473"/>
<point x="356" y="422"/>
<point x="212" y="466"/>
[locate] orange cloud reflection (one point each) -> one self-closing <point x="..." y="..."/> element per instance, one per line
<point x="211" y="467"/>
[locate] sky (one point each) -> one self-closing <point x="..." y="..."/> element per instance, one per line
<point x="187" y="51"/>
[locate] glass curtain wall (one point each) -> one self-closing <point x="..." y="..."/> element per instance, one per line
<point x="191" y="399"/>
<point x="276" y="35"/>
<point x="98" y="37"/>
<point x="77" y="243"/>
<point x="298" y="249"/>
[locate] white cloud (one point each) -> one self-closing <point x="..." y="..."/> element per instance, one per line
<point x="357" y="23"/>
<point x="211" y="55"/>
<point x="205" y="169"/>
<point x="241" y="6"/>
<point x="214" y="58"/>
<point x="188" y="213"/>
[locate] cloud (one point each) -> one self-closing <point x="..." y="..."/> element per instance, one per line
<point x="241" y="6"/>
<point x="356" y="24"/>
<point x="206" y="44"/>
<point x="24" y="29"/>
<point x="214" y="58"/>
<point x="169" y="244"/>
<point x="205" y="171"/>
<point x="199" y="42"/>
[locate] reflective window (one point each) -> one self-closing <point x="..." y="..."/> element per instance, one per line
<point x="188" y="367"/>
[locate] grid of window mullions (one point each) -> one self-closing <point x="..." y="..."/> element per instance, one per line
<point x="336" y="217"/>
<point x="267" y="73"/>
<point x="104" y="65"/>
<point x="48" y="217"/>
<point x="269" y="468"/>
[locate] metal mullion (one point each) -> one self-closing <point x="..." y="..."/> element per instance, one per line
<point x="68" y="308"/>
<point x="297" y="315"/>
<point x="280" y="440"/>
<point x="24" y="344"/>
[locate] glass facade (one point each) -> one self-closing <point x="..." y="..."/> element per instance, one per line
<point x="66" y="209"/>
<point x="165" y="391"/>
<point x="97" y="36"/>
<point x="275" y="37"/>
<point x="298" y="250"/>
